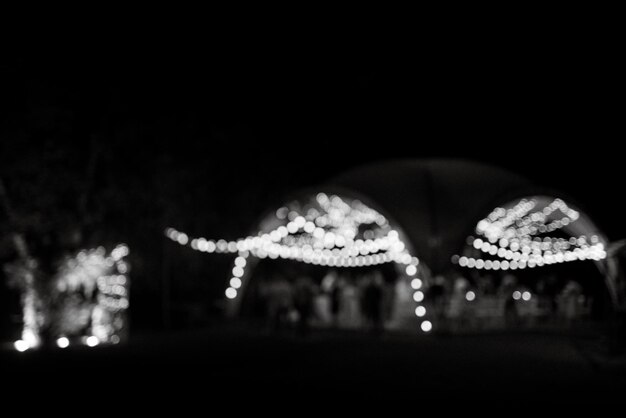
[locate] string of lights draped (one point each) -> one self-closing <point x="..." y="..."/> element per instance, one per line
<point x="516" y="238"/>
<point x="327" y="231"/>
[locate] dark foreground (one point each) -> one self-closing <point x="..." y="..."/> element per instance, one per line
<point x="523" y="367"/>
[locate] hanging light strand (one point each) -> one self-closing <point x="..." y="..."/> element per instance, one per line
<point x="511" y="235"/>
<point x="328" y="231"/>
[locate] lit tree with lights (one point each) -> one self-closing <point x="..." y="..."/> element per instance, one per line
<point x="64" y="291"/>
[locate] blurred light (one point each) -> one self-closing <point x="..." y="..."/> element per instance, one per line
<point x="418" y="296"/>
<point x="92" y="341"/>
<point x="427" y="326"/>
<point x="115" y="339"/>
<point x="420" y="311"/>
<point x="63" y="342"/>
<point x="517" y="295"/>
<point x="470" y="296"/>
<point x="183" y="239"/>
<point x="411" y="270"/>
<point x="231" y="293"/>
<point x="416" y="284"/>
<point x="240" y="262"/>
<point x="281" y="213"/>
<point x="21" y="345"/>
<point x="30" y="337"/>
<point x="235" y="282"/>
<point x="237" y="271"/>
<point x="526" y="296"/>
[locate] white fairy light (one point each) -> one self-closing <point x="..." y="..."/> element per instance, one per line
<point x="426" y="326"/>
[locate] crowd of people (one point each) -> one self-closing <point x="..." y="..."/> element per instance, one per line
<point x="374" y="301"/>
<point x="339" y="301"/>
<point x="507" y="302"/>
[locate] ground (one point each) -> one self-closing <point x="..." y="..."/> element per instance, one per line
<point x="236" y="360"/>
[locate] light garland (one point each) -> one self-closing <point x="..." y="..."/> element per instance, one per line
<point x="326" y="231"/>
<point x="512" y="235"/>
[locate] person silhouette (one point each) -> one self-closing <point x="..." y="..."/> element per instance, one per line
<point x="303" y="295"/>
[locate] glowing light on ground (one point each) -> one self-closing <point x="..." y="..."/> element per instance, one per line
<point x="21" y="345"/>
<point x="92" y="341"/>
<point x="63" y="342"/>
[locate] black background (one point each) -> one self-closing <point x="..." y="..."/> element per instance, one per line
<point x="295" y="114"/>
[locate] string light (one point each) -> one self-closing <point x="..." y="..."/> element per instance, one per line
<point x="331" y="232"/>
<point x="420" y="311"/>
<point x="426" y="326"/>
<point x="512" y="235"/>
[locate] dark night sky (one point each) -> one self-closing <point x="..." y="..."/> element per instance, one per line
<point x="287" y="116"/>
